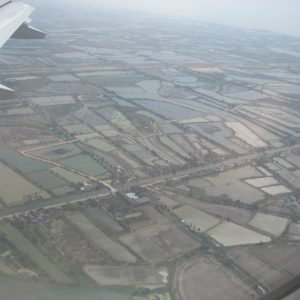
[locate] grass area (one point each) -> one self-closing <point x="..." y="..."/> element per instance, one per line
<point x="84" y="163"/>
<point x="47" y="180"/>
<point x="19" y="162"/>
<point x="100" y="240"/>
<point x="170" y="144"/>
<point x="118" y="119"/>
<point x="56" y="111"/>
<point x="141" y="122"/>
<point x="69" y="176"/>
<point x="25" y="246"/>
<point x="58" y="152"/>
<point x="14" y="189"/>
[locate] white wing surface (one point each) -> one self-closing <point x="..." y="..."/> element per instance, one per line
<point x="14" y="19"/>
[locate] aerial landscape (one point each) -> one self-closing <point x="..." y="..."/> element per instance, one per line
<point x="157" y="160"/>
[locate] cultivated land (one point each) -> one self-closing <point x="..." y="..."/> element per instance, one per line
<point x="204" y="278"/>
<point x="163" y="150"/>
<point x="14" y="189"/>
<point x="159" y="243"/>
<point x="229" y="234"/>
<point x="267" y="275"/>
<point x="270" y="224"/>
<point x="195" y="217"/>
<point x="100" y="240"/>
<point x="126" y="276"/>
<point x="23" y="245"/>
<point x="230" y="183"/>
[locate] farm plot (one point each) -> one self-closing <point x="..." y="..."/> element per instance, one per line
<point x="104" y="219"/>
<point x="84" y="163"/>
<point x="152" y="148"/>
<point x="62" y="190"/>
<point x="246" y="135"/>
<point x="88" y="117"/>
<point x="107" y="130"/>
<point x="57" y="152"/>
<point x="63" y="77"/>
<point x="77" y="129"/>
<point x="276" y="190"/>
<point x="118" y="119"/>
<point x="54" y="100"/>
<point x="14" y="189"/>
<point x="184" y="144"/>
<point x="294" y="159"/>
<point x="230" y="183"/>
<point x="136" y="276"/>
<point x="267" y="275"/>
<point x="67" y="175"/>
<point x="222" y="135"/>
<point x="175" y="159"/>
<point x="153" y="218"/>
<point x="294" y="232"/>
<point x="169" y="129"/>
<point x="205" y="278"/>
<point x="282" y="256"/>
<point x="20" y="162"/>
<point x="292" y="177"/>
<point x="194" y="217"/>
<point x="262" y="181"/>
<point x="140" y="153"/>
<point x="47" y="180"/>
<point x="168" y="110"/>
<point x="270" y="224"/>
<point x="230" y="234"/>
<point x="283" y="163"/>
<point x="71" y="242"/>
<point x="25" y="246"/>
<point x="101" y="145"/>
<point x="230" y="213"/>
<point x="159" y="242"/>
<point x="194" y="120"/>
<point x="247" y="95"/>
<point x="87" y="136"/>
<point x="100" y="240"/>
<point x="174" y="147"/>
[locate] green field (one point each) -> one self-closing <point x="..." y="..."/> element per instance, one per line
<point x="47" y="180"/>
<point x="85" y="164"/>
<point x="67" y="175"/>
<point x="100" y="240"/>
<point x="14" y="189"/>
<point x="25" y="246"/>
<point x="19" y="162"/>
<point x="118" y="119"/>
<point x="57" y="152"/>
<point x="101" y="145"/>
<point x="170" y="144"/>
<point x="61" y="191"/>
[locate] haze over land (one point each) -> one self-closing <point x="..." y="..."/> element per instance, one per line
<point x="269" y="15"/>
<point x="146" y="157"/>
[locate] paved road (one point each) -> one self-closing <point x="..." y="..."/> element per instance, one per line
<point x="50" y="203"/>
<point x="232" y="161"/>
<point x="146" y="182"/>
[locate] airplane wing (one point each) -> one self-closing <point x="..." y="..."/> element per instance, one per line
<point x="14" y="23"/>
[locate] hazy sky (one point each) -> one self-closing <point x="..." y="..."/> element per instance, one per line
<point x="275" y="15"/>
